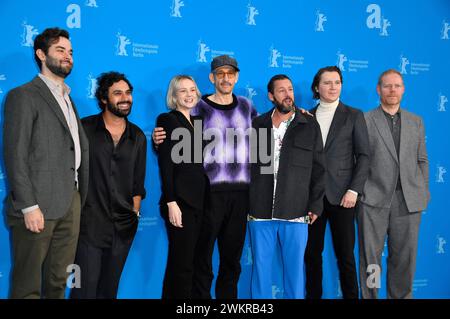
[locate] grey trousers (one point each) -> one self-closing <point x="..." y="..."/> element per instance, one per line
<point x="401" y="228"/>
<point x="40" y="260"/>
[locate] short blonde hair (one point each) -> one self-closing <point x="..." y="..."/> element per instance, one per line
<point x="171" y="97"/>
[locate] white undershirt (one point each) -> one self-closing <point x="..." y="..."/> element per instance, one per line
<point x="324" y="114"/>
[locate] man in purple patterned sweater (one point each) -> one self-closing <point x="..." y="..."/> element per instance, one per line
<point x="227" y="120"/>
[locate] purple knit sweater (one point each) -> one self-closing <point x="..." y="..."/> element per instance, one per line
<point x="226" y="159"/>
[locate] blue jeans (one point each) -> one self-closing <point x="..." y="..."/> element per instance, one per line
<point x="264" y="236"/>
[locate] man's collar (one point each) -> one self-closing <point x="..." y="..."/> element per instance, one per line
<point x="101" y="126"/>
<point x="387" y="113"/>
<point x="53" y="85"/>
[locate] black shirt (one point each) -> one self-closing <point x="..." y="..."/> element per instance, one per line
<point x="395" y="124"/>
<point x="116" y="175"/>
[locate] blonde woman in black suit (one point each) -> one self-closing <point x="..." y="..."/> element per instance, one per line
<point x="184" y="184"/>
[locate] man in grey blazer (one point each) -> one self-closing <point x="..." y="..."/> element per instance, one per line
<point x="395" y="193"/>
<point x="46" y="160"/>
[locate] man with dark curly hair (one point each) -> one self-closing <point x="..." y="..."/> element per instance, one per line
<point x="109" y="219"/>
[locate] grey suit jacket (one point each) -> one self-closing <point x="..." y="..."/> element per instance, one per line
<point x="39" y="152"/>
<point x="346" y="153"/>
<point x="412" y="163"/>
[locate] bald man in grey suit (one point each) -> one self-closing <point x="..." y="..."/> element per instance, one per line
<point x="46" y="160"/>
<point x="395" y="193"/>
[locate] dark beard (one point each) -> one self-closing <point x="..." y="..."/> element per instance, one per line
<point x="283" y="109"/>
<point x="56" y="69"/>
<point x="116" y="111"/>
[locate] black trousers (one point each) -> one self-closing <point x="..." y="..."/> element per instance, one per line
<point x="226" y="221"/>
<point x="342" y="225"/>
<point x="101" y="268"/>
<point x="177" y="282"/>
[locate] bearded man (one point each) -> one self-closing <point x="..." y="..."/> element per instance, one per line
<point x="109" y="220"/>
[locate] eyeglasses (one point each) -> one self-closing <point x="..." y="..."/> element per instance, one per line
<point x="221" y="74"/>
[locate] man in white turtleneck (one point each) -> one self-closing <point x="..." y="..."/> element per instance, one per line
<point x="345" y="141"/>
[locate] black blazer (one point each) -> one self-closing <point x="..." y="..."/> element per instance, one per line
<point x="185" y="181"/>
<point x="346" y="153"/>
<point x="301" y="172"/>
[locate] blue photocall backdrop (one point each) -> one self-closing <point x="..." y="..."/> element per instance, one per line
<point x="151" y="41"/>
